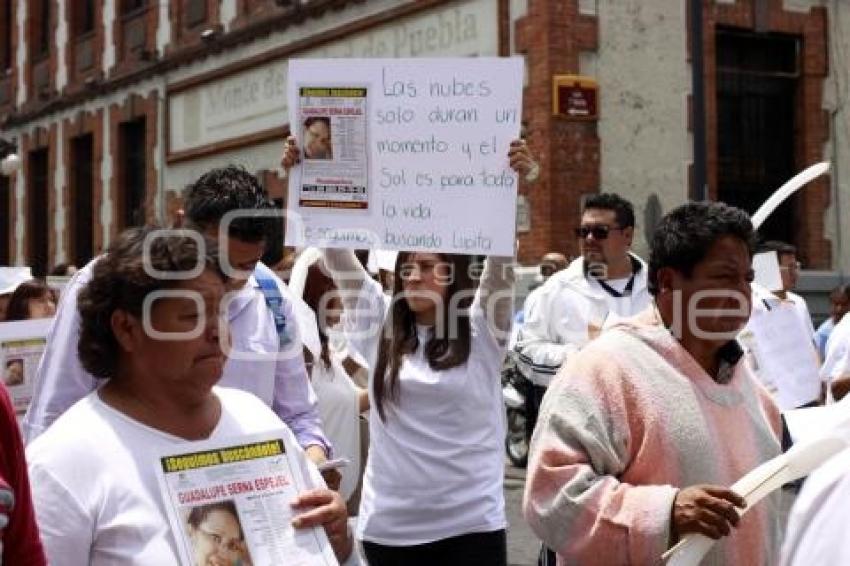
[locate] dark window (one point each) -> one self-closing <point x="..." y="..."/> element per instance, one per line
<point x="82" y="190"/>
<point x="196" y="13"/>
<point x="757" y="81"/>
<point x="133" y="167"/>
<point x="128" y="6"/>
<point x="83" y="14"/>
<point x="5" y="215"/>
<point x="40" y="32"/>
<point x="37" y="228"/>
<point x="6" y="49"/>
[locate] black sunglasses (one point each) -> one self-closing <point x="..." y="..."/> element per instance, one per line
<point x="599" y="231"/>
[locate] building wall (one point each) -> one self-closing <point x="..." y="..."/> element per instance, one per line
<point x="644" y="83"/>
<point x="836" y="101"/>
<point x="640" y="146"/>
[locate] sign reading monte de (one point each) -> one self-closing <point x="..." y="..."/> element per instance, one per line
<point x="405" y="154"/>
<point x="245" y="103"/>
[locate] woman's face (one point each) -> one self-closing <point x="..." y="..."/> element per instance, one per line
<point x="42" y="307"/>
<point x="178" y="347"/>
<point x="216" y="540"/>
<point x="425" y="280"/>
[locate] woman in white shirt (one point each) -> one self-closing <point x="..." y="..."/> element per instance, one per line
<point x="94" y="486"/>
<point x="340" y="401"/>
<point x="433" y="486"/>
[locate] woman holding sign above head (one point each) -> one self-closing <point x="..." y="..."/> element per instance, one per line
<point x="156" y="344"/>
<point x="433" y="486"/>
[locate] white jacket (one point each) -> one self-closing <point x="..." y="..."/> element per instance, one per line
<point x="563" y="315"/>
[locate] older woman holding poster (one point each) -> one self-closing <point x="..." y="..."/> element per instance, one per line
<point x="640" y="434"/>
<point x="94" y="485"/>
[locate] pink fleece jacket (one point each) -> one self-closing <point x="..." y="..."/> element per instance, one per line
<point x="626" y="423"/>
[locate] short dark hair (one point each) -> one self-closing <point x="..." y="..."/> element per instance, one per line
<point x="120" y="280"/>
<point x="685" y="235"/>
<point x="61" y="270"/>
<point x="781" y="248"/>
<point x="313" y="119"/>
<point x="224" y="190"/>
<point x="19" y="303"/>
<point x="198" y="514"/>
<point x="623" y="209"/>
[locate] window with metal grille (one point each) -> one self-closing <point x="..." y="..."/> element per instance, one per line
<point x="757" y="83"/>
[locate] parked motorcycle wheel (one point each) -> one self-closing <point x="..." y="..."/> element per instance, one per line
<point x="516" y="443"/>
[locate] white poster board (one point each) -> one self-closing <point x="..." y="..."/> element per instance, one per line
<point x="783" y="354"/>
<point x="254" y="479"/>
<point x="21" y="347"/>
<point x="409" y="154"/>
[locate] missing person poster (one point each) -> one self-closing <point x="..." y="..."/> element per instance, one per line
<point x="233" y="498"/>
<point x="22" y="344"/>
<point x="332" y="125"/>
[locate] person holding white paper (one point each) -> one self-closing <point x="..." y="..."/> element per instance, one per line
<point x="157" y="346"/>
<point x="433" y="487"/>
<point x="644" y="429"/>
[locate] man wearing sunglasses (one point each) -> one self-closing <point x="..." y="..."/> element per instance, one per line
<point x="606" y="282"/>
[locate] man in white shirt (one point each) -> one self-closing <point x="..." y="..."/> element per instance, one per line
<point x="606" y="282"/>
<point x="789" y="268"/>
<point x="780" y="336"/>
<point x="266" y="358"/>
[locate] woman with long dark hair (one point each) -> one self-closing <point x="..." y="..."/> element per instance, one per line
<point x="432" y="490"/>
<point x="433" y="486"/>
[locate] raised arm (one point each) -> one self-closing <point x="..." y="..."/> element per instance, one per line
<point x="363" y="300"/>
<point x="495" y="296"/>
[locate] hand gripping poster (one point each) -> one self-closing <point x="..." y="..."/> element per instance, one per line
<point x="235" y="495"/>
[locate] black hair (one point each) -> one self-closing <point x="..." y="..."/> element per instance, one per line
<point x="399" y="338"/>
<point x="122" y="278"/>
<point x="228" y="189"/>
<point x="61" y="269"/>
<point x="685" y="235"/>
<point x="623" y="209"/>
<point x="313" y="119"/>
<point x="19" y="303"/>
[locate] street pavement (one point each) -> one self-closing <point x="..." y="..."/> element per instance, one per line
<point x="523" y="546"/>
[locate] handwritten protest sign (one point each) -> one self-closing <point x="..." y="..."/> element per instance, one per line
<point x="405" y="154"/>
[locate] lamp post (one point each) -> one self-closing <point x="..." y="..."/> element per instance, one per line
<point x="9" y="160"/>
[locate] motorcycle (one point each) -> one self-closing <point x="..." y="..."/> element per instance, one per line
<point x="514" y="390"/>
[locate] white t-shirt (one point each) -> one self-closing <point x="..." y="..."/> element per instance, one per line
<point x="436" y="466"/>
<point x="817" y="526"/>
<point x="340" y="412"/>
<point x="94" y="484"/>
<point x="837" y="361"/>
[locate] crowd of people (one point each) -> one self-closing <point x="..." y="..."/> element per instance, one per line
<point x="646" y="402"/>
